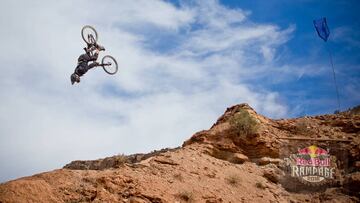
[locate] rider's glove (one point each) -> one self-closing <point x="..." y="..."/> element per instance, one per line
<point x="101" y="48"/>
<point x="89" y="49"/>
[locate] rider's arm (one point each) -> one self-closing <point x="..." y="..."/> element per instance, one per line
<point x="94" y="56"/>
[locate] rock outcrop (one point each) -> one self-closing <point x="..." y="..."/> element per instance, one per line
<point x="226" y="163"/>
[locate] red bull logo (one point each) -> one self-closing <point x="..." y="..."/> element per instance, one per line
<point x="313" y="164"/>
<point x="313" y="156"/>
<point x="313" y="151"/>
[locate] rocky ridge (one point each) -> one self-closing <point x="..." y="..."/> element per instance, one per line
<point x="216" y="165"/>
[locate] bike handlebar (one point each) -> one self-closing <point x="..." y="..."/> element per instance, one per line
<point x="105" y="64"/>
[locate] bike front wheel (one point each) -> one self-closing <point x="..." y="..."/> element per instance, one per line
<point x="109" y="64"/>
<point x="89" y="34"/>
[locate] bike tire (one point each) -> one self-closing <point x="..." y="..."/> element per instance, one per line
<point x="110" y="69"/>
<point x="87" y="29"/>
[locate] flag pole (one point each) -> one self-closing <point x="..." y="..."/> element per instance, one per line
<point x="333" y="69"/>
<point x="323" y="31"/>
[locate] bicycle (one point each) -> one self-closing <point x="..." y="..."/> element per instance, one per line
<point x="90" y="36"/>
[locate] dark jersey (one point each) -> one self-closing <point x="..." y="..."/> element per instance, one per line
<point x="85" y="58"/>
<point x="83" y="61"/>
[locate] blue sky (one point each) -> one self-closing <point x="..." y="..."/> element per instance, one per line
<point x="181" y="64"/>
<point x="344" y="45"/>
<point x="306" y="47"/>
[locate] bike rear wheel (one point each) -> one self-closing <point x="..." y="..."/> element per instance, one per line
<point x="109" y="64"/>
<point x="89" y="34"/>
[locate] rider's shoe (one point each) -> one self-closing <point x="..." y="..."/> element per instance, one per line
<point x="77" y="78"/>
<point x="74" y="78"/>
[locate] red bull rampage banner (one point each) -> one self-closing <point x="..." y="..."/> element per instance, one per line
<point x="313" y="165"/>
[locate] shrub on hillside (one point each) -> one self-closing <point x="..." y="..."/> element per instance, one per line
<point x="120" y="159"/>
<point x="233" y="179"/>
<point x="260" y="185"/>
<point x="178" y="176"/>
<point x="186" y="196"/>
<point x="243" y="123"/>
<point x="303" y="127"/>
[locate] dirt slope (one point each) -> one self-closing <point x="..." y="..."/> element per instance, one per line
<point x="221" y="164"/>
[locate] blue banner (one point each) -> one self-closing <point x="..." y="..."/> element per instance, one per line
<point x="322" y="28"/>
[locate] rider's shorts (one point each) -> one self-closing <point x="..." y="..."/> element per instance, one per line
<point x="81" y="70"/>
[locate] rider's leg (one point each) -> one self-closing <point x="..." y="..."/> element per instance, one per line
<point x="92" y="65"/>
<point x="80" y="70"/>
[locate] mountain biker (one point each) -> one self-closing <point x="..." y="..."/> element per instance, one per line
<point x="83" y="61"/>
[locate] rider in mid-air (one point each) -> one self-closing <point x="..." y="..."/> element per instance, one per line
<point x="84" y="59"/>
